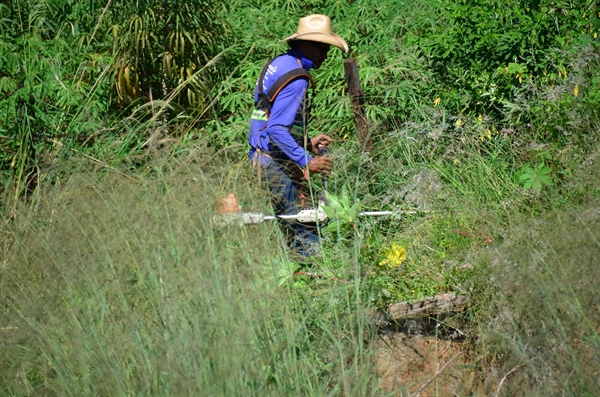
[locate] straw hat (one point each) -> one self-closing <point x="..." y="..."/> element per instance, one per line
<point x="317" y="28"/>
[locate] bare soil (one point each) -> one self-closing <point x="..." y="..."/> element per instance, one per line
<point x="425" y="365"/>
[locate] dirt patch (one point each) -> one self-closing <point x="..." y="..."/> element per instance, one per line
<point x="406" y="364"/>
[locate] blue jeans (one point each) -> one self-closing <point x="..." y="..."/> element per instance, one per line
<point x="285" y="197"/>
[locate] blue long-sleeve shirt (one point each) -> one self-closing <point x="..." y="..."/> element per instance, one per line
<point x="283" y="137"/>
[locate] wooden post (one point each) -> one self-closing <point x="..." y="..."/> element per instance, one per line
<point x="357" y="98"/>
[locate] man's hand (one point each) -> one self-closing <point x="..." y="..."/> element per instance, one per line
<point x="320" y="140"/>
<point x="321" y="165"/>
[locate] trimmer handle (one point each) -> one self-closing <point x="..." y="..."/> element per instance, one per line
<point x="323" y="152"/>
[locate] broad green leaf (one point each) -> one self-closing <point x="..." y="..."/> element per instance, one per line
<point x="546" y="180"/>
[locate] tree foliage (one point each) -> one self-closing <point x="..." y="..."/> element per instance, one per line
<point x="68" y="68"/>
<point x="161" y="44"/>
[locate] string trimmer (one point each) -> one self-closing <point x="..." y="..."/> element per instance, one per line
<point x="229" y="212"/>
<point x="307" y="215"/>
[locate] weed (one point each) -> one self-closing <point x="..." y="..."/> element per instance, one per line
<point x="536" y="178"/>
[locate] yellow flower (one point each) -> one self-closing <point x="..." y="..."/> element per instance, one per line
<point x="458" y="123"/>
<point x="394" y="256"/>
<point x="595" y="35"/>
<point x="489" y="134"/>
<point x="519" y="76"/>
<point x="480" y="118"/>
<point x="437" y="101"/>
<point x="576" y="91"/>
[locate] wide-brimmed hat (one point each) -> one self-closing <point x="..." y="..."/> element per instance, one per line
<point x="317" y="28"/>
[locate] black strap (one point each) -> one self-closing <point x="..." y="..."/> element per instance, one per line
<point x="265" y="101"/>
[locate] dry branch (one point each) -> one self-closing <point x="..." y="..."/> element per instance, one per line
<point x="424" y="385"/>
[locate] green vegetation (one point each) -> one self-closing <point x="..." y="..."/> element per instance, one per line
<point x="122" y="123"/>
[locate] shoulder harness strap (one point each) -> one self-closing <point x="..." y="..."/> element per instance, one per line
<point x="265" y="100"/>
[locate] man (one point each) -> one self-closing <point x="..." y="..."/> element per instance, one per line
<point x="279" y="142"/>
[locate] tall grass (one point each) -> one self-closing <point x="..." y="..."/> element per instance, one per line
<point x="540" y="325"/>
<point x="123" y="286"/>
<point x="119" y="283"/>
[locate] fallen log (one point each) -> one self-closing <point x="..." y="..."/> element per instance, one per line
<point x="439" y="304"/>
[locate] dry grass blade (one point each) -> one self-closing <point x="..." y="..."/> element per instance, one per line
<point x="164" y="104"/>
<point x="95" y="160"/>
<point x="223" y="90"/>
<point x="98" y="24"/>
<point x="438" y="373"/>
<point x="505" y="377"/>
